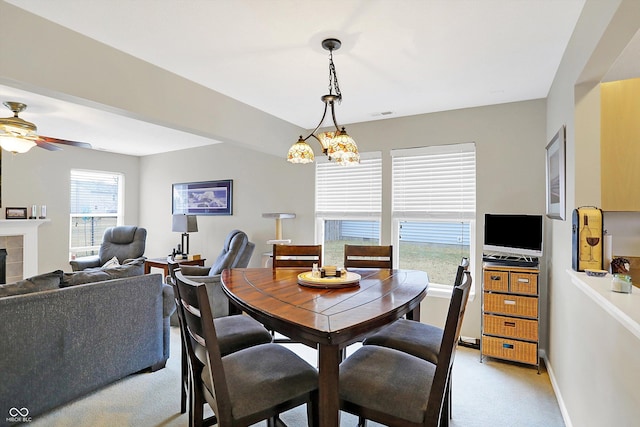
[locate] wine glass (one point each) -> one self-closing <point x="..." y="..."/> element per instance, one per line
<point x="592" y="241"/>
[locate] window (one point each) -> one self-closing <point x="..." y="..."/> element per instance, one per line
<point x="96" y="204"/>
<point x="433" y="209"/>
<point x="348" y="205"/>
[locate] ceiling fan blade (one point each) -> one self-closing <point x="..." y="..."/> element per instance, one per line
<point x="65" y="142"/>
<point x="47" y="146"/>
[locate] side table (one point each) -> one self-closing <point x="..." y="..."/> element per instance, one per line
<point x="164" y="265"/>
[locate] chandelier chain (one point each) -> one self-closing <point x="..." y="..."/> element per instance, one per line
<point x="333" y="78"/>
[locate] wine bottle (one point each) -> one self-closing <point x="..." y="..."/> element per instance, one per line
<point x="585" y="233"/>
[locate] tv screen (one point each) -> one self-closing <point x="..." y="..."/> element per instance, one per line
<point x="513" y="234"/>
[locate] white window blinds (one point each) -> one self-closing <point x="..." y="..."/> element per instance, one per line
<point x="349" y="191"/>
<point x="96" y="204"/>
<point x="434" y="182"/>
<point x="95" y="192"/>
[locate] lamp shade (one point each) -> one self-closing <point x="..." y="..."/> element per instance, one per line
<point x="184" y="223"/>
<point x="343" y="149"/>
<point x="300" y="152"/>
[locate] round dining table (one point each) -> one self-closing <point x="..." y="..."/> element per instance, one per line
<point x="327" y="318"/>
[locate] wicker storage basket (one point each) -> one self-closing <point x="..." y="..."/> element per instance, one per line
<point x="524" y="283"/>
<point x="496" y="281"/>
<point x="518" y="351"/>
<point x="511" y="327"/>
<point x="511" y="305"/>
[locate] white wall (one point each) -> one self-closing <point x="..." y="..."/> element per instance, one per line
<point x="42" y="177"/>
<point x="261" y="183"/>
<point x="510" y="141"/>
<point x="592" y="358"/>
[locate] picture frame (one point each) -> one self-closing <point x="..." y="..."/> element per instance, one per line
<point x="555" y="175"/>
<point x="203" y="198"/>
<point x="16" y="213"/>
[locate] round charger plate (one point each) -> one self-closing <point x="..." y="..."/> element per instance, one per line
<point x="351" y="279"/>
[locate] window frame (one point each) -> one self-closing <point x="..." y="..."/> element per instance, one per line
<point x="417" y="212"/>
<point x="119" y="215"/>
<point x="352" y="213"/>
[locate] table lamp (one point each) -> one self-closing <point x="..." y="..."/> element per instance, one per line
<point x="185" y="224"/>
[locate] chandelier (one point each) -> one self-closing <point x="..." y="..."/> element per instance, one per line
<point x="337" y="145"/>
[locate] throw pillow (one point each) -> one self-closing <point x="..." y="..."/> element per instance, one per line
<point x="42" y="282"/>
<point x="113" y="262"/>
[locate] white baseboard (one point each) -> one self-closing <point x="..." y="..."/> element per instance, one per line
<point x="556" y="390"/>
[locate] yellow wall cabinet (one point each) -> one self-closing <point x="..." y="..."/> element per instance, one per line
<point x="620" y="145"/>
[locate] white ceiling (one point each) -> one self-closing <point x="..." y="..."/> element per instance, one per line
<point x="401" y="56"/>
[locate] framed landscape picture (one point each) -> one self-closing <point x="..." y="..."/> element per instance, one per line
<point x="556" y="175"/>
<point x="203" y="198"/>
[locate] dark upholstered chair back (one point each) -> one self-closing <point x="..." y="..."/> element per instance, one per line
<point x="236" y="252"/>
<point x="123" y="242"/>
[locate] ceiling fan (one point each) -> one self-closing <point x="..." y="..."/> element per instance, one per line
<point x="19" y="136"/>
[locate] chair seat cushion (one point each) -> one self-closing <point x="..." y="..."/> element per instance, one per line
<point x="387" y="381"/>
<point x="262" y="376"/>
<point x="236" y="333"/>
<point x="419" y="339"/>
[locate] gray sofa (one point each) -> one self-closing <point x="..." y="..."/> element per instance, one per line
<point x="59" y="344"/>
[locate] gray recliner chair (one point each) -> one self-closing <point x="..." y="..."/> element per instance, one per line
<point x="236" y="253"/>
<point x="126" y="243"/>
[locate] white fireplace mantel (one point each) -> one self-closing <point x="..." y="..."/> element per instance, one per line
<point x="28" y="229"/>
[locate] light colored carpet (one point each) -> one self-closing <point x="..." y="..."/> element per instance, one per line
<point x="485" y="394"/>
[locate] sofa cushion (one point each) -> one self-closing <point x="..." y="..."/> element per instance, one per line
<point x="42" y="282"/>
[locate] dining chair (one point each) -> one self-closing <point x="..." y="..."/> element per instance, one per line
<point x="395" y="388"/>
<point x="368" y="256"/>
<point x="250" y="385"/>
<point x="295" y="256"/>
<point x="418" y="339"/>
<point x="234" y="333"/>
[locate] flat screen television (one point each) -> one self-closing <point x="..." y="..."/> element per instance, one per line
<point x="513" y="234"/>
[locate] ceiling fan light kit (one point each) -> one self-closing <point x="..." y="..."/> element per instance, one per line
<point x="337" y="145"/>
<point x="19" y="136"/>
<point x="16" y="134"/>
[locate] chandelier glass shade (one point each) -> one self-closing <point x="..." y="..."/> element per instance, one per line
<point x="337" y="145"/>
<point x="300" y="152"/>
<point x="343" y="149"/>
